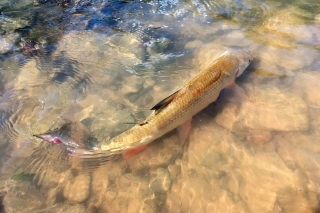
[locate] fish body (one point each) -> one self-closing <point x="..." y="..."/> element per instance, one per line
<point x="191" y="97"/>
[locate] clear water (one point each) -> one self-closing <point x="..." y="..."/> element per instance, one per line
<point x="106" y="63"/>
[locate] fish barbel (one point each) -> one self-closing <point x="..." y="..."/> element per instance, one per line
<point x="177" y="109"/>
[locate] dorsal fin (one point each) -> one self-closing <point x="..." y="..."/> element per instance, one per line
<point x="163" y="103"/>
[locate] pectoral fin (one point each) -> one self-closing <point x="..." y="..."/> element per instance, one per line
<point x="234" y="94"/>
<point x="162" y="104"/>
<point x="183" y="130"/>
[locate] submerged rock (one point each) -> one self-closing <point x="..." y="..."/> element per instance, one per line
<point x="77" y="190"/>
<point x="292" y="200"/>
<point x="93" y="48"/>
<point x="23" y="198"/>
<point x="5" y="45"/>
<point x="267" y="109"/>
<point x="280" y="29"/>
<point x="306" y="84"/>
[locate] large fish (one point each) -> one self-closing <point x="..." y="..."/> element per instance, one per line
<point x="174" y="111"/>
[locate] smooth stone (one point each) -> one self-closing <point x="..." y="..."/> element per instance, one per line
<point x="294" y="60"/>
<point x="267" y="109"/>
<point x="77" y="190"/>
<point x="234" y="38"/>
<point x="258" y="136"/>
<point x="306" y="84"/>
<point x="127" y="43"/>
<point x="230" y="182"/>
<point x="174" y="170"/>
<point x="111" y="195"/>
<point x="99" y="192"/>
<point x="193" y="44"/>
<point x="210" y="159"/>
<point x="5" y="45"/>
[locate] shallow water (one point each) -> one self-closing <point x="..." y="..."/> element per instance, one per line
<point x="107" y="63"/>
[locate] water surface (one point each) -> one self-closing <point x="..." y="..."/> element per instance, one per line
<point x="106" y="63"/>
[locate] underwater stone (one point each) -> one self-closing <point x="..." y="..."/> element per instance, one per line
<point x="267" y="108"/>
<point x="162" y="182"/>
<point x="5" y="45"/>
<point x="305" y="84"/>
<point x="23" y="198"/>
<point x="77" y="190"/>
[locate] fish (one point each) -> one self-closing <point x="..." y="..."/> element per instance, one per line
<point x="174" y="111"/>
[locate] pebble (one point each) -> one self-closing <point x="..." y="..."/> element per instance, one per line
<point x="111" y="195"/>
<point x="77" y="190"/>
<point x="305" y="84"/>
<point x="5" y="45"/>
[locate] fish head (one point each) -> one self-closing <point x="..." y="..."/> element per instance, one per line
<point x="244" y="57"/>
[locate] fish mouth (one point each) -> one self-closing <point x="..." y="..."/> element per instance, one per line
<point x="249" y="54"/>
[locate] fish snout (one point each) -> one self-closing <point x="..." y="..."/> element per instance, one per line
<point x="248" y="55"/>
<point x="245" y="57"/>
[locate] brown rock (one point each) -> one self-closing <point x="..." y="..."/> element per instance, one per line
<point x="267" y="109"/>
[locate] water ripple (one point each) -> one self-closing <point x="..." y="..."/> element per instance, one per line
<point x="9" y="118"/>
<point x="240" y="11"/>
